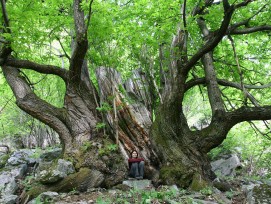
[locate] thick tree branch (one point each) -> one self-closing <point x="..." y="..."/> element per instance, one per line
<point x="249" y="113"/>
<point x="239" y="69"/>
<point x="217" y="132"/>
<point x="226" y="83"/>
<point x="242" y="4"/>
<point x="80" y="46"/>
<point x="214" y="93"/>
<point x="5" y="16"/>
<point x="44" y="69"/>
<point x="194" y="82"/>
<point x="250" y="30"/>
<point x="33" y="105"/>
<point x="89" y="13"/>
<point x="212" y="43"/>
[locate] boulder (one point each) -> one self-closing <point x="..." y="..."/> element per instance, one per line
<point x="226" y="166"/>
<point x="8" y="183"/>
<point x="22" y="156"/>
<point x="47" y="174"/>
<point x="4" y="149"/>
<point x="3" y="159"/>
<point x="47" y="197"/>
<point x="138" y="184"/>
<point x="18" y="172"/>
<point x="258" y="193"/>
<point x="9" y="199"/>
<point x="51" y="155"/>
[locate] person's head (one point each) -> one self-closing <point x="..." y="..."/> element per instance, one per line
<point x="134" y="154"/>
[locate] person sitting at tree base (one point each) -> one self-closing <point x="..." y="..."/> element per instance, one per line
<point x="136" y="166"/>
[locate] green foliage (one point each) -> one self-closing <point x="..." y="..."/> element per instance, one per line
<point x="100" y="125"/>
<point x="142" y="196"/>
<point x="206" y="191"/>
<point x="229" y="194"/>
<point x="86" y="146"/>
<point x="108" y="148"/>
<point x="102" y="200"/>
<point x="105" y="107"/>
<point x="3" y="160"/>
<point x="28" y="182"/>
<point x="37" y="153"/>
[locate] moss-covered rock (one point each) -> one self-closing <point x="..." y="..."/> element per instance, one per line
<point x="198" y="183"/>
<point x="81" y="181"/>
<point x="3" y="159"/>
<point x="55" y="172"/>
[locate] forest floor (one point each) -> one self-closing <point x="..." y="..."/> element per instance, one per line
<point x="160" y="195"/>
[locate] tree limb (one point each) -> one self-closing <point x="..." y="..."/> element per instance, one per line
<point x="226" y="83"/>
<point x="44" y="69"/>
<point x="242" y="4"/>
<point x="5" y="16"/>
<point x="245" y="22"/>
<point x="194" y="82"/>
<point x="80" y="46"/>
<point x="89" y="13"/>
<point x="65" y="53"/>
<point x="28" y="101"/>
<point x="233" y="29"/>
<point x="212" y="43"/>
<point x="217" y="132"/>
<point x="239" y="69"/>
<point x="250" y="30"/>
<point x="249" y="113"/>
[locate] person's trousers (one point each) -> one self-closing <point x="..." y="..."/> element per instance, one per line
<point x="137" y="169"/>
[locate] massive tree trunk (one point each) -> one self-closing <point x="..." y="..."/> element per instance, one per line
<point x="129" y="121"/>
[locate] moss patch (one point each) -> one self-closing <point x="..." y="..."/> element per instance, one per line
<point x="33" y="192"/>
<point x="198" y="183"/>
<point x="176" y="174"/>
<point x="3" y="160"/>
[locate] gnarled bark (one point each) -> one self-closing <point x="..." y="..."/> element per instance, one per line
<point x="134" y="119"/>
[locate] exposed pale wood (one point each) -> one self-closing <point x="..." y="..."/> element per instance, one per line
<point x="134" y="119"/>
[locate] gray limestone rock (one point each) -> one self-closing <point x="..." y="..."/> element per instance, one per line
<point x="22" y="156"/>
<point x="9" y="199"/>
<point x="258" y="193"/>
<point x="138" y="184"/>
<point x="227" y="166"/>
<point x="47" y="174"/>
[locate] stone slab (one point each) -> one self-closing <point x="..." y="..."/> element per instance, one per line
<point x="138" y="184"/>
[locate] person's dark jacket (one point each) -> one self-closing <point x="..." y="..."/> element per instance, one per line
<point x="134" y="160"/>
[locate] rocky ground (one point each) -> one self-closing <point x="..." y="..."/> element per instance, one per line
<point x="146" y="194"/>
<point x="16" y="177"/>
